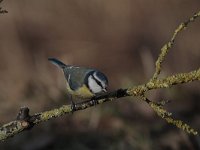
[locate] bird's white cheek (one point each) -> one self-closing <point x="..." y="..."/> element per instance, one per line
<point x="94" y="87"/>
<point x="97" y="78"/>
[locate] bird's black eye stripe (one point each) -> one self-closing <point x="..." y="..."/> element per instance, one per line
<point x="98" y="82"/>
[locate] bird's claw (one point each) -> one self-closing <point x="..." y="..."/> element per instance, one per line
<point x="94" y="102"/>
<point x="73" y="107"/>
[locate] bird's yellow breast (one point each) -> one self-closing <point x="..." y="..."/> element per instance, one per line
<point x="82" y="92"/>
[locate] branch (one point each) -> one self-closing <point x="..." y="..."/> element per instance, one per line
<point x="166" y="47"/>
<point x="21" y="124"/>
<point x="24" y="121"/>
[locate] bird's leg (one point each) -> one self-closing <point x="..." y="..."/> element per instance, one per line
<point x="73" y="104"/>
<point x="94" y="101"/>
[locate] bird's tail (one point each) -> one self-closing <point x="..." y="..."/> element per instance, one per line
<point x="57" y="63"/>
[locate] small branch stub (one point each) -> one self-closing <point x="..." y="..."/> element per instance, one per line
<point x="23" y="114"/>
<point x="24" y="117"/>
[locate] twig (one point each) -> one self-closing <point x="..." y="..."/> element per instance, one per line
<point x="2" y="11"/>
<point x="166" y="47"/>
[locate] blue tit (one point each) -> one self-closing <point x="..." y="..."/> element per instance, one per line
<point x="82" y="82"/>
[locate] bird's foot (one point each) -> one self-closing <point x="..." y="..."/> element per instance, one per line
<point x="73" y="107"/>
<point x="94" y="102"/>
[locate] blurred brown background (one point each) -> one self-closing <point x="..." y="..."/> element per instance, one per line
<point x="122" y="38"/>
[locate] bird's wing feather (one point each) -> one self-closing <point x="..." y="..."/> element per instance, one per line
<point x="76" y="77"/>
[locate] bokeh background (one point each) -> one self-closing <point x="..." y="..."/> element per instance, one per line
<point x="122" y="38"/>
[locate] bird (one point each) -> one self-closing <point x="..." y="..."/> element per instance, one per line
<point x="82" y="82"/>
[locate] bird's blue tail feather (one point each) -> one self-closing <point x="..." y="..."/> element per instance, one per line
<point x="57" y="63"/>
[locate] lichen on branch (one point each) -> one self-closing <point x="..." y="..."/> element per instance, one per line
<point x="165" y="49"/>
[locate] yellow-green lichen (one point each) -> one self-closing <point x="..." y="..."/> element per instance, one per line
<point x="180" y="124"/>
<point x="159" y="110"/>
<point x="55" y="112"/>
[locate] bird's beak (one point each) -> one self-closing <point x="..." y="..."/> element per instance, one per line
<point x="105" y="90"/>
